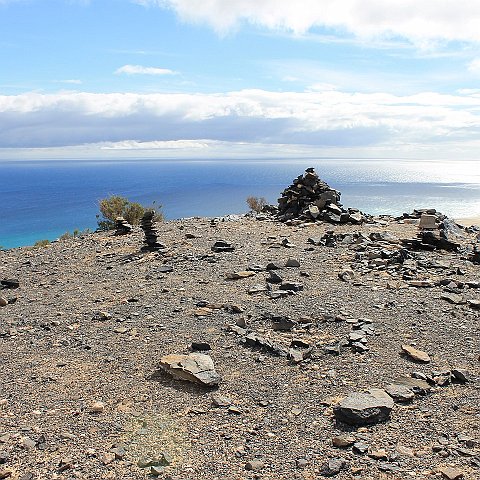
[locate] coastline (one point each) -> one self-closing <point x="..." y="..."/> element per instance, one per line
<point x="468" y="221"/>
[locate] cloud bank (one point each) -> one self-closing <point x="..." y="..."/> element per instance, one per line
<point x="320" y="119"/>
<point x="412" y="19"/>
<point x="140" y="70"/>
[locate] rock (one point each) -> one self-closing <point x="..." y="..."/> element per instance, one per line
<point x="291" y="262"/>
<point x="475" y="304"/>
<point x="10" y="283"/>
<point x="301" y="463"/>
<point x="360" y="447"/>
<point x="421" y="283"/>
<point x="122" y="227"/>
<point x="239" y="275"/>
<point x="4" y="457"/>
<point x="196" y="368"/>
<point x="400" y="393"/>
<point x="165" y="269"/>
<point x="148" y="227"/>
<point x="460" y="375"/>
<point x="6" y="473"/>
<point x="222" y="246"/>
<point x="220" y="400"/>
<point x="363" y="409"/>
<point x="97" y="407"/>
<point x="343" y="441"/>
<point x="380" y="454"/>
<point x="3" y="302"/>
<point x="347" y="275"/>
<point x="453" y="298"/>
<point x="254" y="465"/>
<point x="200" y="346"/>
<point x="417" y="385"/>
<point x="282" y="323"/>
<point x="274" y="277"/>
<point x="293" y="286"/>
<point x="415" y="354"/>
<point x="333" y="467"/>
<point x="450" y="473"/>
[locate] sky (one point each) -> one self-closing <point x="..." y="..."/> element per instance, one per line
<point x="240" y="78"/>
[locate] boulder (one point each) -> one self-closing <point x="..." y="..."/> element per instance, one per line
<point x="363" y="409"/>
<point x="196" y="368"/>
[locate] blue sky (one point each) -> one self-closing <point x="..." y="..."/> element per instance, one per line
<point x="200" y="78"/>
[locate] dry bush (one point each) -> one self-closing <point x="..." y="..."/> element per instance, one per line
<point x="256" y="204"/>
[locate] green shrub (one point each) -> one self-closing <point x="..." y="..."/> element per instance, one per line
<point x="117" y="206"/>
<point x="76" y="233"/>
<point x="256" y="204"/>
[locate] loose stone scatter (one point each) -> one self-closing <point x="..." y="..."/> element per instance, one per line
<point x="148" y="227"/>
<point x="122" y="227"/>
<point x="86" y="321"/>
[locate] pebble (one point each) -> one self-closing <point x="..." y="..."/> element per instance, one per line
<point x="254" y="465"/>
<point x="97" y="407"/>
<point x="343" y="441"/>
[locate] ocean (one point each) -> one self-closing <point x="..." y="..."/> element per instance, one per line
<point x="44" y="199"/>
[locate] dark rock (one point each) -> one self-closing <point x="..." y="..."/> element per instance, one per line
<point x="222" y="246"/>
<point x="149" y="229"/>
<point x="200" y="346"/>
<point x="10" y="283"/>
<point x="363" y="409"/>
<point x="293" y="286"/>
<point x="122" y="227"/>
<point x="333" y="467"/>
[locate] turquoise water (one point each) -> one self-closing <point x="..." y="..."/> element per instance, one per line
<point x="44" y="199"/>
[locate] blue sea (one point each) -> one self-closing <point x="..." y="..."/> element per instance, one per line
<point x="44" y="199"/>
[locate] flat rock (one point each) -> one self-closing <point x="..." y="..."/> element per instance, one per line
<point x="363" y="409"/>
<point x="3" y="302"/>
<point x="400" y="393"/>
<point x="416" y="354"/>
<point x="196" y="368"/>
<point x="450" y="473"/>
<point x="417" y="385"/>
<point x="239" y="275"/>
<point x="343" y="441"/>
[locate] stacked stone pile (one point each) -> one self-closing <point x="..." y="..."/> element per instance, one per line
<point x="151" y="235"/>
<point x="309" y="198"/>
<point x="122" y="227"/>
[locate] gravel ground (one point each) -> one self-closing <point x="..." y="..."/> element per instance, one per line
<point x="82" y="395"/>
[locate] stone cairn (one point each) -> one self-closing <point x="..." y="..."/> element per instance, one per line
<point x="309" y="199"/>
<point x="148" y="227"/>
<point x="122" y="227"/>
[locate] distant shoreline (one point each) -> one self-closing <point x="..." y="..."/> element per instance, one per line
<point x="468" y="221"/>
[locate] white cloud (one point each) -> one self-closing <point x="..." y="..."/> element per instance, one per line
<point x="140" y="70"/>
<point x="70" y="81"/>
<point x="474" y="66"/>
<point x="320" y="119"/>
<point x="419" y="21"/>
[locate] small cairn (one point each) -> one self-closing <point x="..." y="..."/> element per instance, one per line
<point x="148" y="227"/>
<point x="122" y="227"/>
<point x="309" y="199"/>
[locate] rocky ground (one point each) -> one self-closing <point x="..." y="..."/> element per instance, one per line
<point x="84" y="335"/>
